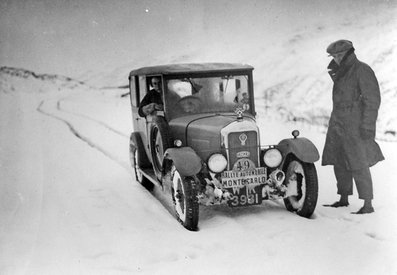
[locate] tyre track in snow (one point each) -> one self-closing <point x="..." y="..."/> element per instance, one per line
<point x="59" y="108"/>
<point x="85" y="138"/>
<point x="162" y="197"/>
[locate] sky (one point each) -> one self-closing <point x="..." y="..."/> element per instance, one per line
<point x="72" y="37"/>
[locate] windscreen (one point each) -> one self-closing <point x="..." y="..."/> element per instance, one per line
<point x="192" y="95"/>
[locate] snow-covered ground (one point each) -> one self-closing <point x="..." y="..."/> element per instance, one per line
<point x="69" y="204"/>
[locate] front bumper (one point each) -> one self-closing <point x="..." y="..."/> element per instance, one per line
<point x="243" y="188"/>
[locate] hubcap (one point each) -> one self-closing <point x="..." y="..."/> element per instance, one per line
<point x="178" y="194"/>
<point x="296" y="181"/>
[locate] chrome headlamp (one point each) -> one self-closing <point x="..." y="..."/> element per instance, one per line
<point x="217" y="163"/>
<point x="272" y="157"/>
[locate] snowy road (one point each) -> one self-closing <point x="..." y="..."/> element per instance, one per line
<point x="70" y="205"/>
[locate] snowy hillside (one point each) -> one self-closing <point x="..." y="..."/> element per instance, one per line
<point x="291" y="80"/>
<point x="21" y="80"/>
<point x="306" y="95"/>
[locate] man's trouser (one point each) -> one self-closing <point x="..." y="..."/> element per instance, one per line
<point x="362" y="178"/>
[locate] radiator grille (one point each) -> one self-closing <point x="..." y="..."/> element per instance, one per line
<point x="240" y="143"/>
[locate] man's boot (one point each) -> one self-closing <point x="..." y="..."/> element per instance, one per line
<point x="343" y="201"/>
<point x="366" y="209"/>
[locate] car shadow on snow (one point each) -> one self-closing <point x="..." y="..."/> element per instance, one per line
<point x="267" y="207"/>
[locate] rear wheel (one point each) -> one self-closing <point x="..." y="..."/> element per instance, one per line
<point x="184" y="196"/>
<point x="135" y="163"/>
<point x="301" y="180"/>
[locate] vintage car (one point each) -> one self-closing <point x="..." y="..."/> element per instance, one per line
<point x="203" y="147"/>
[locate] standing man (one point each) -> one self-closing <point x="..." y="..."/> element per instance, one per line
<point x="152" y="100"/>
<point x="350" y="143"/>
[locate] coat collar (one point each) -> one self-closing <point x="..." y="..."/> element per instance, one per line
<point x="337" y="71"/>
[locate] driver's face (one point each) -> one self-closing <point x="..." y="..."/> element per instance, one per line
<point x="338" y="57"/>
<point x="156" y="84"/>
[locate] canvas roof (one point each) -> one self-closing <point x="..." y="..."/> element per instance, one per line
<point x="189" y="68"/>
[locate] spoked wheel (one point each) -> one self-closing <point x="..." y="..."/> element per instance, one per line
<point x="184" y="196"/>
<point x="134" y="159"/>
<point x="301" y="180"/>
<point x="160" y="141"/>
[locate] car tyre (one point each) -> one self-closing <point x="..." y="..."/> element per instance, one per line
<point x="184" y="197"/>
<point x="304" y="175"/>
<point x="159" y="142"/>
<point x="136" y="165"/>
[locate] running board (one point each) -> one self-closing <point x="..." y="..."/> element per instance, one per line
<point x="149" y="174"/>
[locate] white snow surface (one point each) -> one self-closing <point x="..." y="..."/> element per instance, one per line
<point x="69" y="203"/>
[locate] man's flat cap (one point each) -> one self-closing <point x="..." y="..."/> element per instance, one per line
<point x="339" y="46"/>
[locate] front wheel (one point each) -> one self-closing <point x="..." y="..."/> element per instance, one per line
<point x="184" y="196"/>
<point x="302" y="183"/>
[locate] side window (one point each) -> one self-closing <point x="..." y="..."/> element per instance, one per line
<point x="142" y="87"/>
<point x="133" y="91"/>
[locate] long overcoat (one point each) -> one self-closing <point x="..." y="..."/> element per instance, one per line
<point x="356" y="101"/>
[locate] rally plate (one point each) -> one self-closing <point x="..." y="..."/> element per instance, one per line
<point x="245" y="187"/>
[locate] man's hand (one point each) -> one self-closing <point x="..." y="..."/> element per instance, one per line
<point x="151" y="107"/>
<point x="158" y="107"/>
<point x="148" y="109"/>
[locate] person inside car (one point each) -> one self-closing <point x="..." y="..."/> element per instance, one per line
<point x="153" y="99"/>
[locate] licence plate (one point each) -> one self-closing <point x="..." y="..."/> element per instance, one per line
<point x="245" y="187"/>
<point x="245" y="197"/>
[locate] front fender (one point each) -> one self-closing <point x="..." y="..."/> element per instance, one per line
<point x="185" y="159"/>
<point x="302" y="148"/>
